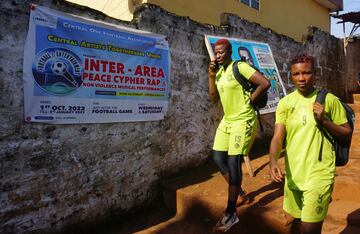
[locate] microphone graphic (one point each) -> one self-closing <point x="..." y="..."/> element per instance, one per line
<point x="60" y="68"/>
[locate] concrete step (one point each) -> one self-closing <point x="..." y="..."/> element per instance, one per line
<point x="205" y="198"/>
<point x="356" y="97"/>
<point x="355" y="107"/>
<point x="347" y="181"/>
<point x="343" y="217"/>
<point x="344" y="212"/>
<point x="331" y="228"/>
<point x="346" y="190"/>
<point x="201" y="195"/>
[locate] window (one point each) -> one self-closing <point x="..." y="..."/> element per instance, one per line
<point x="252" y="3"/>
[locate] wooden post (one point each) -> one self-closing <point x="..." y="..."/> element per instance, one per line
<point x="248" y="166"/>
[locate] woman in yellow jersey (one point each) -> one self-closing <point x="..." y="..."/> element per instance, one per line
<point x="237" y="129"/>
<point x="309" y="180"/>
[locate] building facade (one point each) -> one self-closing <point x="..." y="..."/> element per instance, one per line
<point x="288" y="17"/>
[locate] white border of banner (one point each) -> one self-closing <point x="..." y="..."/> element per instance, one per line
<point x="150" y="104"/>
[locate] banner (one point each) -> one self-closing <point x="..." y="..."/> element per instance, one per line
<point x="260" y="56"/>
<point x="85" y="71"/>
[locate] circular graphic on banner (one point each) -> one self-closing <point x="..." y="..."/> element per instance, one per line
<point x="57" y="71"/>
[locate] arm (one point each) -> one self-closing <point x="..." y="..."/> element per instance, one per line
<point x="262" y="83"/>
<point x="213" y="93"/>
<point x="276" y="145"/>
<point x="341" y="132"/>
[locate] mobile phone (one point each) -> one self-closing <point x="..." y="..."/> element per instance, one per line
<point x="216" y="64"/>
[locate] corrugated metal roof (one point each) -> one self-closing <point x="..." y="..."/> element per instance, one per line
<point x="353" y="17"/>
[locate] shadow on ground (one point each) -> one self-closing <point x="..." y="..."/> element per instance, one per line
<point x="352" y="220"/>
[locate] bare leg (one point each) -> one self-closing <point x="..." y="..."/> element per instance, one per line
<point x="311" y="228"/>
<point x="295" y="226"/>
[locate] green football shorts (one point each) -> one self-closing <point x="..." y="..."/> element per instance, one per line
<point x="310" y="206"/>
<point x="235" y="137"/>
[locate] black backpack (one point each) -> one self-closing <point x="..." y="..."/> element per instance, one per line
<point x="248" y="86"/>
<point x="341" y="149"/>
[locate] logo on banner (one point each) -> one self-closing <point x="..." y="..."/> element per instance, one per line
<point x="44" y="19"/>
<point x="57" y="71"/>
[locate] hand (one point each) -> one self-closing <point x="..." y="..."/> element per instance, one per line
<point x="276" y="173"/>
<point x="214" y="67"/>
<point x="319" y="113"/>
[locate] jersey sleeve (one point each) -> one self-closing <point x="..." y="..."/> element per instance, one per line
<point x="335" y="109"/>
<point x="246" y="70"/>
<point x="280" y="114"/>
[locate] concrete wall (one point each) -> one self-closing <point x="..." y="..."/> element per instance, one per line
<point x="352" y="68"/>
<point x="53" y="176"/>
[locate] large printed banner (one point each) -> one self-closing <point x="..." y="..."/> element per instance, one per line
<point x="260" y="56"/>
<point x="83" y="71"/>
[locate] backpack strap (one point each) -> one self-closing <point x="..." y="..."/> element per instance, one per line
<point x="240" y="78"/>
<point x="245" y="84"/>
<point x="320" y="98"/>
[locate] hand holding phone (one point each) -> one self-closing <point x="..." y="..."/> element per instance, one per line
<point x="214" y="65"/>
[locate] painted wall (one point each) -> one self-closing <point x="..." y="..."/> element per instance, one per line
<point x="288" y="17"/>
<point x="119" y="9"/>
<point x="56" y="176"/>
